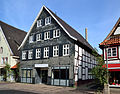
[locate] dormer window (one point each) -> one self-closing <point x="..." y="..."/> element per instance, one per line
<point x="47" y="35"/>
<point x="48" y="20"/>
<point x="56" y="33"/>
<point x="112" y="52"/>
<point x="31" y="39"/>
<point x="39" y="23"/>
<point x="39" y="37"/>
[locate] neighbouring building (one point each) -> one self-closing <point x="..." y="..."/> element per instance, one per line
<point x="10" y="40"/>
<point x="54" y="53"/>
<point x="111" y="53"/>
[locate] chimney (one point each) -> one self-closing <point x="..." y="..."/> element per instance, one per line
<point x="86" y="36"/>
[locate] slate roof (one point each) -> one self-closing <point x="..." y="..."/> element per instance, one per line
<point x="111" y="39"/>
<point x="13" y="36"/>
<point x="72" y="31"/>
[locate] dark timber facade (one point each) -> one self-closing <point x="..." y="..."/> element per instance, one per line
<point x="54" y="53"/>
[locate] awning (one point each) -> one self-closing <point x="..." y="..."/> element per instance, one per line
<point x="113" y="67"/>
<point x="14" y="67"/>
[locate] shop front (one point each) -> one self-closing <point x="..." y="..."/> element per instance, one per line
<point x="114" y="74"/>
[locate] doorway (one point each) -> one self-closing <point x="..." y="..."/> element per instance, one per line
<point x="44" y="76"/>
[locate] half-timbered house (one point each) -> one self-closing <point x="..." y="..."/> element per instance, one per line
<point x="54" y="53"/>
<point x="111" y="53"/>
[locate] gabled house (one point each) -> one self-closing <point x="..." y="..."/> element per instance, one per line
<point x="111" y="53"/>
<point x="54" y="53"/>
<point x="10" y="40"/>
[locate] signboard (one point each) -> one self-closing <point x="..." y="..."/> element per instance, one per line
<point x="41" y="65"/>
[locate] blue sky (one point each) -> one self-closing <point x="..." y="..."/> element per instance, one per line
<point x="99" y="16"/>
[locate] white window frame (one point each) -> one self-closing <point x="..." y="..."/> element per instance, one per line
<point x="31" y="39"/>
<point x="38" y="53"/>
<point x="55" y="51"/>
<point x="56" y="33"/>
<point x="39" y="37"/>
<point x="39" y="23"/>
<point x="48" y="20"/>
<point x="46" y="52"/>
<point x="111" y="51"/>
<point x="24" y="55"/>
<point x="30" y="54"/>
<point x="46" y="35"/>
<point x="66" y="50"/>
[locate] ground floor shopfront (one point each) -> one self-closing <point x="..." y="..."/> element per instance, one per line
<point x="42" y="73"/>
<point x="114" y="74"/>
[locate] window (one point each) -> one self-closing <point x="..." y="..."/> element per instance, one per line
<point x="65" y="49"/>
<point x="61" y="73"/>
<point x="4" y="60"/>
<point x="39" y="37"/>
<point x="23" y="55"/>
<point x="48" y="20"/>
<point x="47" y="35"/>
<point x="31" y="39"/>
<point x="55" y="50"/>
<point x="39" y="23"/>
<point x="46" y="52"/>
<point x="109" y="52"/>
<point x="112" y="52"/>
<point x="1" y="50"/>
<point x="30" y="54"/>
<point x="38" y="53"/>
<point x="56" y="33"/>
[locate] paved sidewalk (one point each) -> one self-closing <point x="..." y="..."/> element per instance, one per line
<point x="22" y="88"/>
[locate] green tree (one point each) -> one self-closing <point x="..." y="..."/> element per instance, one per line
<point x="7" y="71"/>
<point x="99" y="71"/>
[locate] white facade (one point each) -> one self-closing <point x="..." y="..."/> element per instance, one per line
<point x="5" y="55"/>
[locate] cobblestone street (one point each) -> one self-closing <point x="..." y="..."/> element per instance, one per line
<point x="21" y="88"/>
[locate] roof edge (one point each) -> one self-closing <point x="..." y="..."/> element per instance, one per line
<point x="6" y="41"/>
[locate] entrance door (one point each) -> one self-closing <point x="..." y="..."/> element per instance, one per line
<point x="44" y="75"/>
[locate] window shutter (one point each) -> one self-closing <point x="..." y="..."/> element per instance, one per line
<point x="43" y="22"/>
<point x="42" y="35"/>
<point x="26" y="55"/>
<point x="51" y="34"/>
<point x="60" y="50"/>
<point x="34" y="53"/>
<point x="51" y="51"/>
<point x="34" y="37"/>
<point x="42" y="53"/>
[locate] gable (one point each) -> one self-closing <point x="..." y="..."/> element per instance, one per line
<point x="113" y="33"/>
<point x="5" y="50"/>
<point x="117" y="31"/>
<point x="73" y="34"/>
